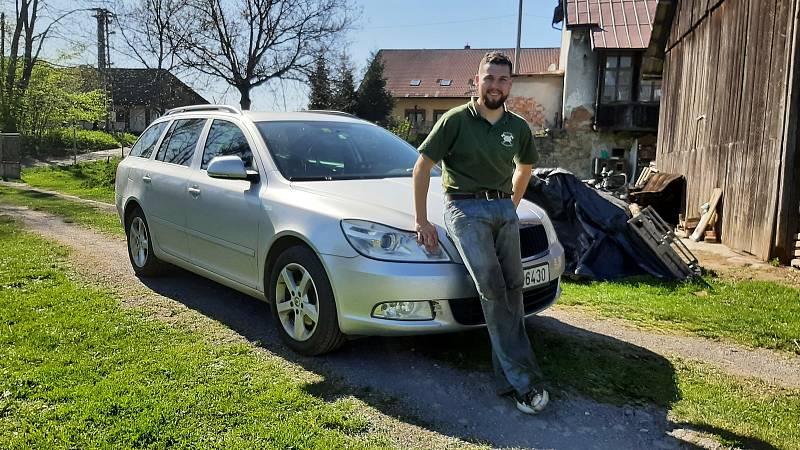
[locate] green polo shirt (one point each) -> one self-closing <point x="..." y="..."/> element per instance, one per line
<point x="476" y="155"/>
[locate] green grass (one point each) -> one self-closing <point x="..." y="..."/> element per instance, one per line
<point x="77" y="371"/>
<point x="753" y="313"/>
<point x="93" y="180"/>
<point x="82" y="214"/>
<point x="738" y="412"/>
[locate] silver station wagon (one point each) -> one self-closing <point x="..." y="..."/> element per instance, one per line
<point x="313" y="213"/>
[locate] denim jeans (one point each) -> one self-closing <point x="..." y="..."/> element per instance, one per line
<point x="486" y="234"/>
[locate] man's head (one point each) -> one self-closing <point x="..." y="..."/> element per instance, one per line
<point x="494" y="79"/>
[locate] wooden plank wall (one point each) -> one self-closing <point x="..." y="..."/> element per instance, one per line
<point x="723" y="111"/>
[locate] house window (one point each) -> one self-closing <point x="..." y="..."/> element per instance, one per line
<point x="445" y="82"/>
<point x="415" y="82"/>
<point x="618" y="79"/>
<point x="415" y="116"/>
<point x="438" y="113"/>
<point x="650" y="91"/>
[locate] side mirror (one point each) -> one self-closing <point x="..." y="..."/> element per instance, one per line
<point x="230" y="167"/>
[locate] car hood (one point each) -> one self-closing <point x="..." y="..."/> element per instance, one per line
<point x="390" y="200"/>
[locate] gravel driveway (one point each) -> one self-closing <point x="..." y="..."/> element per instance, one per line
<point x="413" y="398"/>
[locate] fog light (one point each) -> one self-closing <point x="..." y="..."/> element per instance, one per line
<point x="403" y="311"/>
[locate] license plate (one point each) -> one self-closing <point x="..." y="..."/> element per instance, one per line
<point x="535" y="276"/>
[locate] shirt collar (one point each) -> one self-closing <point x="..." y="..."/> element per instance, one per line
<point x="473" y="110"/>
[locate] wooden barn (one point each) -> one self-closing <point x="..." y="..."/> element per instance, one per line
<point x="729" y="114"/>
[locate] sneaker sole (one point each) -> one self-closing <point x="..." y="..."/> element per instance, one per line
<point x="538" y="408"/>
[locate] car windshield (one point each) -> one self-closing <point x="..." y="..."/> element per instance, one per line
<point x="316" y="151"/>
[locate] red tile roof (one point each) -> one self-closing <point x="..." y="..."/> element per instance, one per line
<point x="616" y="23"/>
<point x="458" y="65"/>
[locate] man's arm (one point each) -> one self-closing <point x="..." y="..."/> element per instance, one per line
<point x="426" y="232"/>
<point x="522" y="175"/>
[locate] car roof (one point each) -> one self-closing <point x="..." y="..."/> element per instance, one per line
<point x="260" y="116"/>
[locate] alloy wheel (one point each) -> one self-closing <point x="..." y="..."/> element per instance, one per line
<point x="296" y="302"/>
<point x="139" y="242"/>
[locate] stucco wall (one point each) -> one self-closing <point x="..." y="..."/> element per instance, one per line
<point x="580" y="80"/>
<point x="429" y="104"/>
<point x="537" y="99"/>
<point x="574" y="150"/>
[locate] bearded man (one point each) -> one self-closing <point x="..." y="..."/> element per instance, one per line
<point x="486" y="153"/>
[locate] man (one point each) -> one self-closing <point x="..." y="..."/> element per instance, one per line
<point x="487" y="153"/>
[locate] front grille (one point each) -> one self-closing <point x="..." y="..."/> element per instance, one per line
<point x="468" y="311"/>
<point x="533" y="240"/>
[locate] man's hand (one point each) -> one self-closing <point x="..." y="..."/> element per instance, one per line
<point x="426" y="232"/>
<point x="426" y="235"/>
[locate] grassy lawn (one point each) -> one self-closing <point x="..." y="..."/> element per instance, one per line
<point x="93" y="180"/>
<point x="79" y="213"/>
<point x="77" y="371"/>
<point x="754" y="313"/>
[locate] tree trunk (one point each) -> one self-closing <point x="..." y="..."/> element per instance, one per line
<point x="244" y="91"/>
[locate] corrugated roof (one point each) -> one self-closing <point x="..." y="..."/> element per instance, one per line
<point x="431" y="66"/>
<point x="615" y="23"/>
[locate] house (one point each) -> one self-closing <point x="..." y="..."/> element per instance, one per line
<point x="610" y="111"/>
<point x="425" y="83"/>
<point x="730" y="112"/>
<point x="138" y="96"/>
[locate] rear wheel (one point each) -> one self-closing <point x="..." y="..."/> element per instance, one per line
<point x="302" y="302"/>
<point x="140" y="246"/>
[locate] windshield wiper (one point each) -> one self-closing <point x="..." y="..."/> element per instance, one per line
<point x="310" y="178"/>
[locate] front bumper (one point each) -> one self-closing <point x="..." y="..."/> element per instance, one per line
<point x="360" y="283"/>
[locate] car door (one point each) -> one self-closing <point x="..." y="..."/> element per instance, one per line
<point x="223" y="220"/>
<point x="167" y="196"/>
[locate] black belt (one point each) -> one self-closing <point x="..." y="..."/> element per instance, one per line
<point x="482" y="195"/>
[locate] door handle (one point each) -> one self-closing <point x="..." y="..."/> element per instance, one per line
<point x="147" y="179"/>
<point x="195" y="191"/>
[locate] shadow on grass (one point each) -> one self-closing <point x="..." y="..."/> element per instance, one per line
<point x="443" y="383"/>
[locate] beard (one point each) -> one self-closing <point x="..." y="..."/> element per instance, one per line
<point x="493" y="104"/>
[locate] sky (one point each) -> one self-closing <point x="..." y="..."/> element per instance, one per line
<point x="383" y="24"/>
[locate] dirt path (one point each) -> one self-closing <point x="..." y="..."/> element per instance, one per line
<point x="411" y="398"/>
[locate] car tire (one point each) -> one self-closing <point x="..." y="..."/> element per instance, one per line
<point x="299" y="288"/>
<point x="140" y="246"/>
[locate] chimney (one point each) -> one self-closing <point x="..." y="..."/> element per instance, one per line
<point x="467" y="47"/>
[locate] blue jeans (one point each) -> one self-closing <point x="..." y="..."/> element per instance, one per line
<point x="486" y="234"/>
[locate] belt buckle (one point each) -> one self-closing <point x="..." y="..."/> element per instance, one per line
<point x="488" y="195"/>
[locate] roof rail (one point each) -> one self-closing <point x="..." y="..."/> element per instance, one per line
<point x="331" y="112"/>
<point x="224" y="108"/>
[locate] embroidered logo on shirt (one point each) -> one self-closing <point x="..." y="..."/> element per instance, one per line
<point x="508" y="139"/>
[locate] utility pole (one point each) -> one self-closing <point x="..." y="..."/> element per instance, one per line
<point x="519" y="39"/>
<point x="104" y="17"/>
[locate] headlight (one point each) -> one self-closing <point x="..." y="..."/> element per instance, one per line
<point x="378" y="241"/>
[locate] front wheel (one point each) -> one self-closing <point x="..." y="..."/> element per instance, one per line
<point x="302" y="302"/>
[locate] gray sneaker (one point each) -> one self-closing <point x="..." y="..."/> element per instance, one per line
<point x="532" y="402"/>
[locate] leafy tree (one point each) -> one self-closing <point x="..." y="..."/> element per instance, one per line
<point x="55" y="97"/>
<point x="321" y="95"/>
<point x="375" y="103"/>
<point x="345" y="97"/>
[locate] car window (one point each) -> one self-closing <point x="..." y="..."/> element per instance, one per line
<point x="315" y="150"/>
<point x="180" y="142"/>
<point x="225" y="138"/>
<point x="147" y="141"/>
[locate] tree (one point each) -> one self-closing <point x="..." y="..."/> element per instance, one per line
<point x="344" y="90"/>
<point x="247" y="43"/>
<point x="375" y="103"/>
<point x="150" y="36"/>
<point x="320" y="97"/>
<point x="27" y="39"/>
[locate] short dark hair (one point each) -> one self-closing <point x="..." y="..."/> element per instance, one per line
<point x="498" y="58"/>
